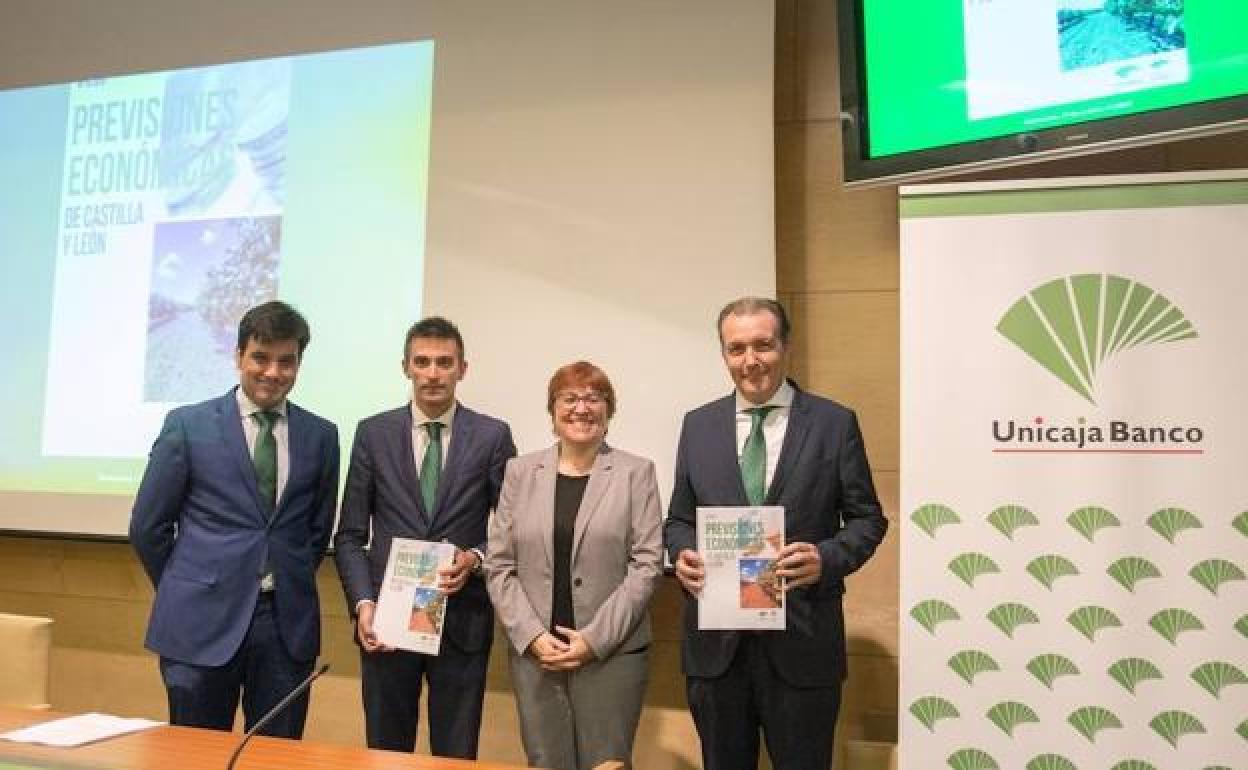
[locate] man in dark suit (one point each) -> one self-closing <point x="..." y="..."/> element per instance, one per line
<point x="429" y="470"/>
<point x="770" y="443"/>
<point x="231" y="520"/>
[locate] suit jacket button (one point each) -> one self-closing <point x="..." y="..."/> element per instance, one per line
<point x="577" y="582"/>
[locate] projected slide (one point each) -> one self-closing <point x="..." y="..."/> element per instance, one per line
<point x="171" y="202"/>
<point x="557" y="200"/>
<point x="1028" y="55"/>
<point x="178" y="200"/>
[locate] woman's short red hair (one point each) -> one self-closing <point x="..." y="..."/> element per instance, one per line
<point x="580" y="374"/>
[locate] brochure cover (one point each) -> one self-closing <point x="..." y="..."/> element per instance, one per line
<point x="739" y="546"/>
<point x="410" y="608"/>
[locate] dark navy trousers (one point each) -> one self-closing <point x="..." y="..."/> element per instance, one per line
<point x="730" y="711"/>
<point x="261" y="673"/>
<point x="391" y="683"/>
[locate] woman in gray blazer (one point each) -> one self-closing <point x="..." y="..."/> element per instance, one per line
<point x="574" y="555"/>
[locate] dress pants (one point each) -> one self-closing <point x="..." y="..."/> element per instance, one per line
<point x="262" y="671"/>
<point x="391" y="684"/>
<point x="798" y="723"/>
<point x="579" y="719"/>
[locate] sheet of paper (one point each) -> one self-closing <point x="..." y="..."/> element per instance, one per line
<point x="78" y="730"/>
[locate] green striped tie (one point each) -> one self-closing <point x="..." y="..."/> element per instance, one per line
<point x="754" y="457"/>
<point x="431" y="466"/>
<point x="264" y="457"/>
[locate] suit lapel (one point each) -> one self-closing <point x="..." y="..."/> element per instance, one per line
<point x="231" y="425"/>
<point x="297" y="447"/>
<point x="794" y="439"/>
<point x="723" y="448"/>
<point x="544" y="499"/>
<point x="800" y="612"/>
<point x="595" y="491"/>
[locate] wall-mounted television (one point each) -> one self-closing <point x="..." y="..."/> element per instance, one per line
<point x="934" y="86"/>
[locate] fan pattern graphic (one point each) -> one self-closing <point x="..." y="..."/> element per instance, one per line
<point x="1072" y="326"/>
<point x="1042" y="678"/>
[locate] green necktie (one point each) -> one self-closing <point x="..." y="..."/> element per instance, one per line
<point x="754" y="457"/>
<point x="431" y="466"/>
<point x="265" y="459"/>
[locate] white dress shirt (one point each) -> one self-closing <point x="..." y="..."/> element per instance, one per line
<point x="774" y="425"/>
<point x="281" y="434"/>
<point x="420" y="434"/>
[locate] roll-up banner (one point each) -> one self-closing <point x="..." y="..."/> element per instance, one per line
<point x="1075" y="474"/>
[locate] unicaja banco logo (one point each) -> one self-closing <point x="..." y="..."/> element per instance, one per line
<point x="1072" y="326"/>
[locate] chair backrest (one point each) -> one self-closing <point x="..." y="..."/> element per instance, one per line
<point x="26" y="645"/>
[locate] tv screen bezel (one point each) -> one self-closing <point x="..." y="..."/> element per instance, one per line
<point x="1101" y="135"/>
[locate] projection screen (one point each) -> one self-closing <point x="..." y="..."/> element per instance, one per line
<point x="563" y="180"/>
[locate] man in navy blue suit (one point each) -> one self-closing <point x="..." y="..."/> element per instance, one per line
<point x="770" y="443"/>
<point x="231" y="520"/>
<point x="429" y="470"/>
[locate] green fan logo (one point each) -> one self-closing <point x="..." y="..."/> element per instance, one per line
<point x="1071" y="326"/>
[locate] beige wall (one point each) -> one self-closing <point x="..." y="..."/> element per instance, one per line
<point x="100" y="597"/>
<point x="837" y="269"/>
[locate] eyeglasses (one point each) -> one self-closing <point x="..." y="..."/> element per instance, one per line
<point x="569" y="400"/>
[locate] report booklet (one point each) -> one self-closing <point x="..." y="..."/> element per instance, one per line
<point x="739" y="546"/>
<point x="410" y="608"/>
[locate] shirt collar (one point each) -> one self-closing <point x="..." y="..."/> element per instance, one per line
<point x="447" y="418"/>
<point x="247" y="407"/>
<point x="783" y="397"/>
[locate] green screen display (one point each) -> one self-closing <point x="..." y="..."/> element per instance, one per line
<point x="943" y="73"/>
